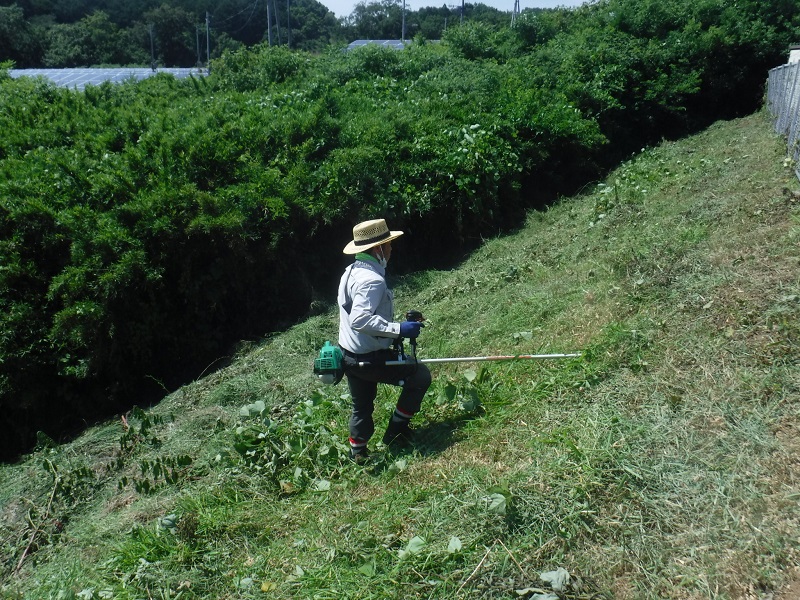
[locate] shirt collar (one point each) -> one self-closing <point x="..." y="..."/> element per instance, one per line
<point x="370" y="262"/>
<point x="366" y="257"/>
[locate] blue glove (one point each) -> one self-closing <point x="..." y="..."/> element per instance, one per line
<point x="410" y="329"/>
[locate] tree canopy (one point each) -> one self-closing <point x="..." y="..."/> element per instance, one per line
<point x="182" y="33"/>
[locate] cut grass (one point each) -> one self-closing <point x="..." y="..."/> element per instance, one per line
<point x="662" y="464"/>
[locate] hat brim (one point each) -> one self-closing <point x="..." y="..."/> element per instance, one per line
<point x="353" y="248"/>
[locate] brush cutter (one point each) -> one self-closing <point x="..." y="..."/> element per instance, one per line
<point x="329" y="366"/>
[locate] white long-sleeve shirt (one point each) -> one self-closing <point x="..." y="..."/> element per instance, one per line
<point x="366" y="307"/>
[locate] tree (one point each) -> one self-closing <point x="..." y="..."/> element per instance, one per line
<point x="69" y="11"/>
<point x="18" y="39"/>
<point x="64" y="49"/>
<point x="101" y="37"/>
<point x="431" y="22"/>
<point x="94" y="40"/>
<point x="314" y="27"/>
<point x="536" y="26"/>
<point x="134" y="43"/>
<point x="472" y="40"/>
<point x="487" y="15"/>
<point x="174" y="31"/>
<point x="382" y="20"/>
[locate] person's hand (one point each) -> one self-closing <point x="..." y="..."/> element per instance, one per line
<point x="410" y="329"/>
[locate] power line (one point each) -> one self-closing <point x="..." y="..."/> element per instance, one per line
<point x="247" y="22"/>
<point x="251" y="8"/>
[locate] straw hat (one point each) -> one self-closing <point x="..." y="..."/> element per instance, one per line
<point x="369" y="234"/>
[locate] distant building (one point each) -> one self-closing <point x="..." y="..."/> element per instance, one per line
<point x="79" y="78"/>
<point x="794" y="53"/>
<point x="396" y="44"/>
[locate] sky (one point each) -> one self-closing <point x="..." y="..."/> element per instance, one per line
<point x="343" y="8"/>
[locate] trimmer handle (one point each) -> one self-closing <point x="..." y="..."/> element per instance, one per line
<point x="414" y="315"/>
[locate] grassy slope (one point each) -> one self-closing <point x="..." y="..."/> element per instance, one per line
<point x="663" y="464"/>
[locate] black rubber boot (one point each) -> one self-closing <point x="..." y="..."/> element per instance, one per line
<point x="398" y="434"/>
<point x="359" y="456"/>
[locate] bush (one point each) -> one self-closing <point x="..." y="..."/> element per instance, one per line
<point x="259" y="67"/>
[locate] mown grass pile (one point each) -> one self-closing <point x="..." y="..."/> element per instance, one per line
<point x="663" y="463"/>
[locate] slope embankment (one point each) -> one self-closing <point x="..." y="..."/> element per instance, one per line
<point x="664" y="463"/>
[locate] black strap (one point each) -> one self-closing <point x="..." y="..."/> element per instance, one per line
<point x="377" y="357"/>
<point x="348" y="305"/>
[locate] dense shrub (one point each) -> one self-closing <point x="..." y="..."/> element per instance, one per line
<point x="259" y="67"/>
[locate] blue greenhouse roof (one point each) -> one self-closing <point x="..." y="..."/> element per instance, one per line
<point x="80" y="78"/>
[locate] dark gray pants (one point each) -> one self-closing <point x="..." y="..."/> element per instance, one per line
<point x="363" y="383"/>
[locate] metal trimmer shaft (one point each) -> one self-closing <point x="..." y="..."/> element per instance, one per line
<point x="478" y="359"/>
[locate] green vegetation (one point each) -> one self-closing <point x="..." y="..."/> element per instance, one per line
<point x="184" y="33"/>
<point x="171" y="33"/>
<point x="147" y="228"/>
<point x="661" y="464"/>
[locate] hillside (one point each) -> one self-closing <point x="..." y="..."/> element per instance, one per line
<point x="664" y="463"/>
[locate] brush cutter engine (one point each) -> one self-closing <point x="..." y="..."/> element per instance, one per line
<point x="329" y="366"/>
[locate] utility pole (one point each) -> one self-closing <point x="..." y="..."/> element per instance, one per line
<point x="208" y="43"/>
<point x="152" y="48"/>
<point x="462" y="11"/>
<point x="288" y="26"/>
<point x="515" y="14"/>
<point x="269" y="27"/>
<point x="277" y="22"/>
<point x="197" y="35"/>
<point x="403" y="30"/>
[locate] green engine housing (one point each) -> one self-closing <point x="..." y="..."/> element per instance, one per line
<point x="329" y="366"/>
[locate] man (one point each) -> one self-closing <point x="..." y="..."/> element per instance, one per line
<point x="366" y="334"/>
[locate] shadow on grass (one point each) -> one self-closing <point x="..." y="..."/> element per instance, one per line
<point x="430" y="439"/>
<point x="436" y="436"/>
